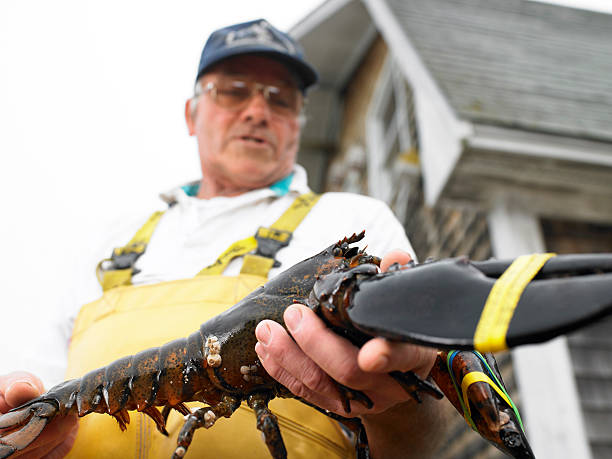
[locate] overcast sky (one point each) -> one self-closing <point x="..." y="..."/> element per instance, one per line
<point x="91" y="126"/>
<point x="596" y="5"/>
<point x="92" y="99"/>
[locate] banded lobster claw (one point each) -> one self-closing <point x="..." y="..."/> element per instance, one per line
<point x="483" y="306"/>
<point x="473" y="384"/>
<point x="488" y="305"/>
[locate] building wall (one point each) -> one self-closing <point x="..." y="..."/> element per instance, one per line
<point x="447" y="231"/>
<point x="348" y="164"/>
<point x="590" y="348"/>
<point x="442" y="232"/>
<point x="435" y="232"/>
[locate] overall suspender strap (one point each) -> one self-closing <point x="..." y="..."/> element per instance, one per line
<point x="119" y="268"/>
<point x="267" y="241"/>
<point x="237" y="249"/>
<point x="278" y="235"/>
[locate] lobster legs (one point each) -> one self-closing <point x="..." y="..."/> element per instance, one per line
<point x="203" y="417"/>
<point x="206" y="417"/>
<point x="412" y="384"/>
<point x="267" y="423"/>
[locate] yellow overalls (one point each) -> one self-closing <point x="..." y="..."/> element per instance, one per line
<point x="128" y="319"/>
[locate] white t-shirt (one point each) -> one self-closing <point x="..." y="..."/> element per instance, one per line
<point x="193" y="232"/>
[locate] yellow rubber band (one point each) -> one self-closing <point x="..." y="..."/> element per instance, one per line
<point x="478" y="376"/>
<point x="490" y="334"/>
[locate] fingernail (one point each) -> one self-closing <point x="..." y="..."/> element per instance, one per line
<point x="260" y="351"/>
<point x="293" y="317"/>
<point x="381" y="363"/>
<point x="21" y="381"/>
<point x="263" y="333"/>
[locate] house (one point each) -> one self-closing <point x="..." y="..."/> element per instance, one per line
<point x="485" y="124"/>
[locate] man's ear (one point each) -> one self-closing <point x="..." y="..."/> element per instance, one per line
<point x="190" y="114"/>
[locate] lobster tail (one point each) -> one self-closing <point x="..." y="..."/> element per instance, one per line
<point x="166" y="376"/>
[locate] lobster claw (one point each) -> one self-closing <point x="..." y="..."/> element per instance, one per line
<point x="473" y="384"/>
<point x="488" y="305"/>
<point x="24" y="425"/>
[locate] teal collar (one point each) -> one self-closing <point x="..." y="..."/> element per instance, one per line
<point x="191" y="189"/>
<point x="280" y="188"/>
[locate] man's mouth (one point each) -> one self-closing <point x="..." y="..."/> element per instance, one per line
<point x="250" y="138"/>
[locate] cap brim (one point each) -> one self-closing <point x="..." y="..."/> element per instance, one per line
<point x="305" y="72"/>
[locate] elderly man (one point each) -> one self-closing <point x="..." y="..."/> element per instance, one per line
<point x="200" y="256"/>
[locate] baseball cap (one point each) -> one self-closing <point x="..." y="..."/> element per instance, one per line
<point x="257" y="37"/>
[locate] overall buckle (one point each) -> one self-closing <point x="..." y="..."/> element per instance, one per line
<point x="270" y="241"/>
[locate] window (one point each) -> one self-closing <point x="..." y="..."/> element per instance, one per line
<point x="392" y="141"/>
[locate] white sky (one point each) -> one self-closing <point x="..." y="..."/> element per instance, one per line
<point x="596" y="5"/>
<point x="91" y="126"/>
<point x="92" y="99"/>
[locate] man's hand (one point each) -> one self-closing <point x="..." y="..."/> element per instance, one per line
<point x="308" y="366"/>
<point x="57" y="438"/>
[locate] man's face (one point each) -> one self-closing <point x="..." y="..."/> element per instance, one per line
<point x="251" y="145"/>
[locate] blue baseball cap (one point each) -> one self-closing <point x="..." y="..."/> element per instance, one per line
<point x="257" y="37"/>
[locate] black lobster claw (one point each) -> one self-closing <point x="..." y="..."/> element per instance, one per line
<point x="487" y="305"/>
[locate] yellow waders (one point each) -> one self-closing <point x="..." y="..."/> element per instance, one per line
<point x="127" y="320"/>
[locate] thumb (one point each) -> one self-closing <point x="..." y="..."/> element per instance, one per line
<point x="17" y="388"/>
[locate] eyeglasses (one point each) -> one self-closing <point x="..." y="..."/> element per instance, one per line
<point x="234" y="93"/>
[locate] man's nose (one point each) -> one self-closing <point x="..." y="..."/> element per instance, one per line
<point x="257" y="108"/>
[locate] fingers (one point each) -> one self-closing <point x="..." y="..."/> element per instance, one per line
<point x="333" y="354"/>
<point x="380" y="355"/>
<point x="54" y="442"/>
<point x="395" y="256"/>
<point x="318" y="357"/>
<point x="57" y="438"/>
<point x="17" y="388"/>
<point x="318" y="341"/>
<point x="69" y="428"/>
<point x="312" y="363"/>
<point x="289" y="365"/>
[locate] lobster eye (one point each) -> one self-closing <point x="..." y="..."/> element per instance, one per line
<point x="337" y="252"/>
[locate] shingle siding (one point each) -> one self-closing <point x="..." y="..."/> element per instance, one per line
<point x="534" y="67"/>
<point x="437" y="232"/>
<point x="517" y="63"/>
<point x="590" y="348"/>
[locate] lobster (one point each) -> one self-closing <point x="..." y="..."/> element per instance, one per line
<point x="435" y="304"/>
